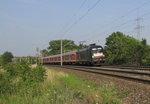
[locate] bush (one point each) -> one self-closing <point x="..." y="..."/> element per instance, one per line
<point x="5" y="83"/>
<point x="20" y="77"/>
<point x="6" y="58"/>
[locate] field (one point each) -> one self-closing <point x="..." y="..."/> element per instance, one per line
<point x="61" y="88"/>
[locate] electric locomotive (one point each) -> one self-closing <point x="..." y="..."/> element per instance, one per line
<point x="91" y="55"/>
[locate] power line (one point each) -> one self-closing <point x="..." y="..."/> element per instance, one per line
<point x="122" y="24"/>
<point x="76" y="23"/>
<point x="131" y="11"/>
<point x="80" y="7"/>
<point x="129" y="21"/>
<point x="69" y="21"/>
<point x="121" y="17"/>
<point x="81" y="17"/>
<point x="92" y="7"/>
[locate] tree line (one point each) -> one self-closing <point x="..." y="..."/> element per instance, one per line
<point x="55" y="47"/>
<point x="120" y="49"/>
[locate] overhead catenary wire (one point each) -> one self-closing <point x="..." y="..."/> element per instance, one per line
<point x="92" y="7"/>
<point x="121" y="17"/>
<point x="81" y="17"/>
<point x="129" y="22"/>
<point x="73" y="16"/>
<point x="66" y="24"/>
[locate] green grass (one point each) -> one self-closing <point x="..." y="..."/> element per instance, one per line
<point x="61" y="88"/>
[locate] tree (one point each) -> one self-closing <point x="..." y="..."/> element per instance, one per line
<point x="146" y="50"/>
<point x="55" y="46"/>
<point x="114" y="48"/>
<point x="122" y="49"/>
<point x="44" y="52"/>
<point x="82" y="46"/>
<point x="6" y="58"/>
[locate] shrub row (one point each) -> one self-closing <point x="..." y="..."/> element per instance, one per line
<point x="20" y="77"/>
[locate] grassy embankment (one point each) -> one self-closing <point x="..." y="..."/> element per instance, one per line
<point x="62" y="88"/>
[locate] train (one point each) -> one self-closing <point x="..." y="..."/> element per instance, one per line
<point x="91" y="55"/>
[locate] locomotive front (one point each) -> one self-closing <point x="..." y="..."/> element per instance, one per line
<point x="98" y="56"/>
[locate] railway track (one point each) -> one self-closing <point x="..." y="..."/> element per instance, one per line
<point x="142" y="77"/>
<point x="146" y="68"/>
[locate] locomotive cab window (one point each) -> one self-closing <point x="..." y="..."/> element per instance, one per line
<point x="97" y="50"/>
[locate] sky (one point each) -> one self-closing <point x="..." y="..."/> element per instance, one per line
<point x="26" y="25"/>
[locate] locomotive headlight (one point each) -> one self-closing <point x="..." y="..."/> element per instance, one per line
<point x="97" y="55"/>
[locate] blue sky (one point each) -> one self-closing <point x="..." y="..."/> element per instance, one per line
<point x="28" y="24"/>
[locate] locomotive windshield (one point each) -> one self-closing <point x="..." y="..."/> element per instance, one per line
<point x="97" y="50"/>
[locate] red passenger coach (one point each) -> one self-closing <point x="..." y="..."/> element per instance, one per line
<point x="68" y="58"/>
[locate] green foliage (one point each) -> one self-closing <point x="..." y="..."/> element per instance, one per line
<point x="44" y="52"/>
<point x="28" y="59"/>
<point x="103" y="93"/>
<point x="82" y="46"/>
<point x="20" y="78"/>
<point x="123" y="94"/>
<point x="38" y="74"/>
<point x="67" y="89"/>
<point x="5" y="83"/>
<point x="6" y="58"/>
<point x="146" y="57"/>
<point x="108" y="91"/>
<point x="72" y="80"/>
<point x="55" y="47"/>
<point x="125" y="50"/>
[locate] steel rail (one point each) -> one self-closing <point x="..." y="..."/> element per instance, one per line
<point x="118" y="70"/>
<point x="129" y="67"/>
<point x="147" y="81"/>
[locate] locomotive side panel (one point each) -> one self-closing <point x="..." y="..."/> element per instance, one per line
<point x="84" y="56"/>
